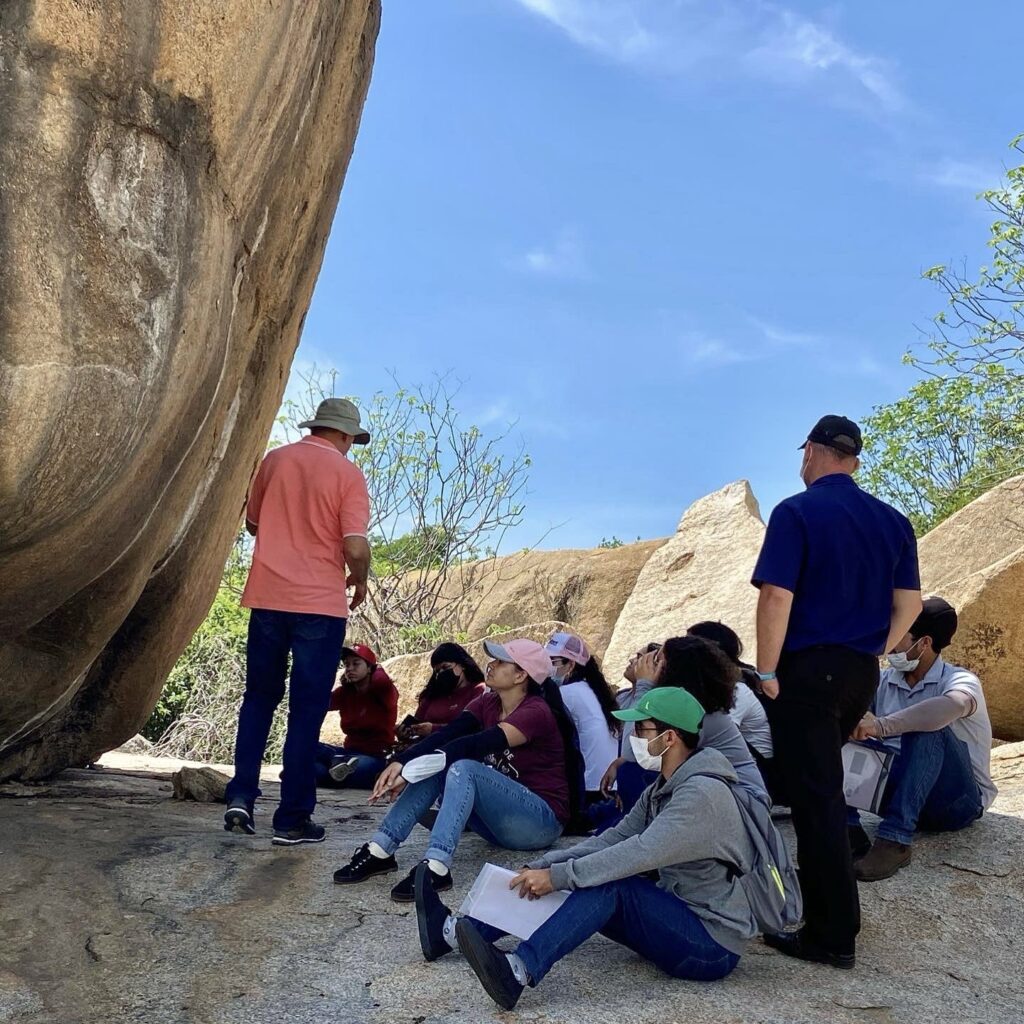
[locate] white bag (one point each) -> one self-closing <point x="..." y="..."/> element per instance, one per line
<point x="865" y="774"/>
<point x="493" y="902"/>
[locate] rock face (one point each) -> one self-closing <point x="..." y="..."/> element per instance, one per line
<point x="169" y="173"/>
<point x="703" y="572"/>
<point x="585" y="587"/>
<point x="975" y="559"/>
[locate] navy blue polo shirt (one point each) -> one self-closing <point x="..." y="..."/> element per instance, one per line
<point x="841" y="552"/>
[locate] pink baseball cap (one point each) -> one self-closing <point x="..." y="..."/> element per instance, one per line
<point x="565" y="645"/>
<point x="527" y="654"/>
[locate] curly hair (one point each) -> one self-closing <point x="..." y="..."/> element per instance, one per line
<point x="701" y="668"/>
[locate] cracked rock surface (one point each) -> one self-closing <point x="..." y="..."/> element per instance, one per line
<point x="118" y="903"/>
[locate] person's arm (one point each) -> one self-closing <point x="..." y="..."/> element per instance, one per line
<point x="255" y="499"/>
<point x="465" y="725"/>
<point x="906" y="606"/>
<point x="930" y="715"/>
<point x="632" y="824"/>
<point x="335" y="702"/>
<point x="774" y="605"/>
<point x="357" y="559"/>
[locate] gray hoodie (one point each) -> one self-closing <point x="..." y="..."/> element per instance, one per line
<point x="688" y="830"/>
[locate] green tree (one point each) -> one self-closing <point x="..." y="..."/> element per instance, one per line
<point x="960" y="430"/>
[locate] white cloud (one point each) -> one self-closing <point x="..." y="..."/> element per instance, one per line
<point x="759" y="38"/>
<point x="784" y="338"/>
<point x="700" y="350"/>
<point x="962" y="175"/>
<point x="563" y="257"/>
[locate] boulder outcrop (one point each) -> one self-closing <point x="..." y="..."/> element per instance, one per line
<point x="702" y="572"/>
<point x="975" y="559"/>
<point x="169" y="172"/>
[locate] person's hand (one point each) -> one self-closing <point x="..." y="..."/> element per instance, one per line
<point x="648" y="665"/>
<point x="867" y="728"/>
<point x="770" y="688"/>
<point x="611" y="773"/>
<point x="532" y="883"/>
<point x="389" y="784"/>
<point x="421" y="729"/>
<point x="358" y="588"/>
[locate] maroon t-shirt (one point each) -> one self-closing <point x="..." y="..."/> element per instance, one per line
<point x="442" y="710"/>
<point x="539" y="764"/>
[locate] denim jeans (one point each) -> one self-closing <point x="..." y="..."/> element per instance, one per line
<point x="931" y="787"/>
<point x="315" y="643"/>
<point x="365" y="775"/>
<point x="638" y="915"/>
<point x="501" y="810"/>
<point x="630" y="782"/>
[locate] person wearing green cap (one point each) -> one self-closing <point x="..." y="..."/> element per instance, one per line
<point x="662" y="882"/>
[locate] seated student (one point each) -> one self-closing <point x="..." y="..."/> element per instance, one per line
<point x="703" y="669"/>
<point x="498" y="768"/>
<point x="934" y="715"/>
<point x="590" y="702"/>
<point x="747" y="711"/>
<point x="367" y="704"/>
<point x="455" y="682"/>
<point x="665" y="882"/>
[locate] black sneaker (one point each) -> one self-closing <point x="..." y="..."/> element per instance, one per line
<point x="859" y="841"/>
<point x="308" y="832"/>
<point x="405" y="891"/>
<point x="238" y="818"/>
<point x="364" y="865"/>
<point x="431" y="915"/>
<point x="489" y="964"/>
<point x="798" y="945"/>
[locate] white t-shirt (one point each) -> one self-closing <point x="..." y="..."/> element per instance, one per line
<point x="894" y="694"/>
<point x="749" y="715"/>
<point x="598" y="746"/>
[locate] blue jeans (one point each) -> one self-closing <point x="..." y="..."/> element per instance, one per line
<point x="931" y="787"/>
<point x="630" y="782"/>
<point x="315" y="643"/>
<point x="501" y="810"/>
<point x="363" y="777"/>
<point x="638" y="915"/>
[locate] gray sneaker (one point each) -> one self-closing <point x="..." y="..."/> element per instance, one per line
<point x="308" y="832"/>
<point x="343" y="768"/>
<point x="238" y="818"/>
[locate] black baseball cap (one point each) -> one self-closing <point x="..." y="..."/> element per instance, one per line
<point x="837" y="432"/>
<point x="938" y="620"/>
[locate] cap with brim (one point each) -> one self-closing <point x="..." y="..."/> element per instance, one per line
<point x="938" y="619"/>
<point x="527" y="654"/>
<point x="565" y="645"/>
<point x="339" y="414"/>
<point x="669" y="704"/>
<point x="836" y="432"/>
<point x="360" y="651"/>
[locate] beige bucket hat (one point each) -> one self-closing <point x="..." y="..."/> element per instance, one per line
<point x="339" y="414"/>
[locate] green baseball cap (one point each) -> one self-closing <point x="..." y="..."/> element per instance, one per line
<point x="669" y="704"/>
<point x="339" y="414"/>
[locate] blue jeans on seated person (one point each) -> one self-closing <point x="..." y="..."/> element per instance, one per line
<point x="501" y="810"/>
<point x="635" y="913"/>
<point x="315" y="643"/>
<point x="364" y="776"/>
<point x="931" y="788"/>
<point x="630" y="782"/>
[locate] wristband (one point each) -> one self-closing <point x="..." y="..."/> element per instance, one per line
<point x="766" y="676"/>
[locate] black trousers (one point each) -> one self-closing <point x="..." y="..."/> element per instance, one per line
<point x="823" y="694"/>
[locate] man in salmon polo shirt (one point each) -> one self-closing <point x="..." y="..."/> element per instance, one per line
<point x="309" y="512"/>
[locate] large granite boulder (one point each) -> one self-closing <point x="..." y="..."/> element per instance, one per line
<point x="703" y="572"/>
<point x="975" y="559"/>
<point x="169" y="173"/>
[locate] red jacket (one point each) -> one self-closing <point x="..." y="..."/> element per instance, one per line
<point x="367" y="719"/>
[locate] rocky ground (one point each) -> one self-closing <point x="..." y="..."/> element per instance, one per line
<point x="118" y="903"/>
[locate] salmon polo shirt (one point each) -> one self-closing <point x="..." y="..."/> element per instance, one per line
<point x="306" y="499"/>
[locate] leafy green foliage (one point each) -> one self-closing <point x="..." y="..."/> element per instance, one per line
<point x="960" y="430"/>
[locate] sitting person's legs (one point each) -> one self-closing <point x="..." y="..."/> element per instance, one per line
<point x="501" y="810"/>
<point x="630" y="782"/>
<point x="932" y="788"/>
<point x="337" y="767"/>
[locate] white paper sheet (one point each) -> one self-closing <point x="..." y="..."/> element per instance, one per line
<point x="492" y="901"/>
<point x="865" y="773"/>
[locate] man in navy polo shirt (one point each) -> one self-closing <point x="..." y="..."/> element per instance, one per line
<point x="839" y="586"/>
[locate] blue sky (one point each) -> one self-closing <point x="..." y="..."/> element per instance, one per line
<point x="663" y="235"/>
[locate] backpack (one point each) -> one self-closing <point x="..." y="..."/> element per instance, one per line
<point x="575" y="769"/>
<point x="770" y="881"/>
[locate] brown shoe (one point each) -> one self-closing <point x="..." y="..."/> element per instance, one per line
<point x="883" y="860"/>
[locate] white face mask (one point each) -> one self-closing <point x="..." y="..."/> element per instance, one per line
<point x="899" y="660"/>
<point x="642" y="753"/>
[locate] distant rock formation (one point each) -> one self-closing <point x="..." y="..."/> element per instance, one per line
<point x="975" y="560"/>
<point x="703" y="572"/>
<point x="169" y="173"/>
